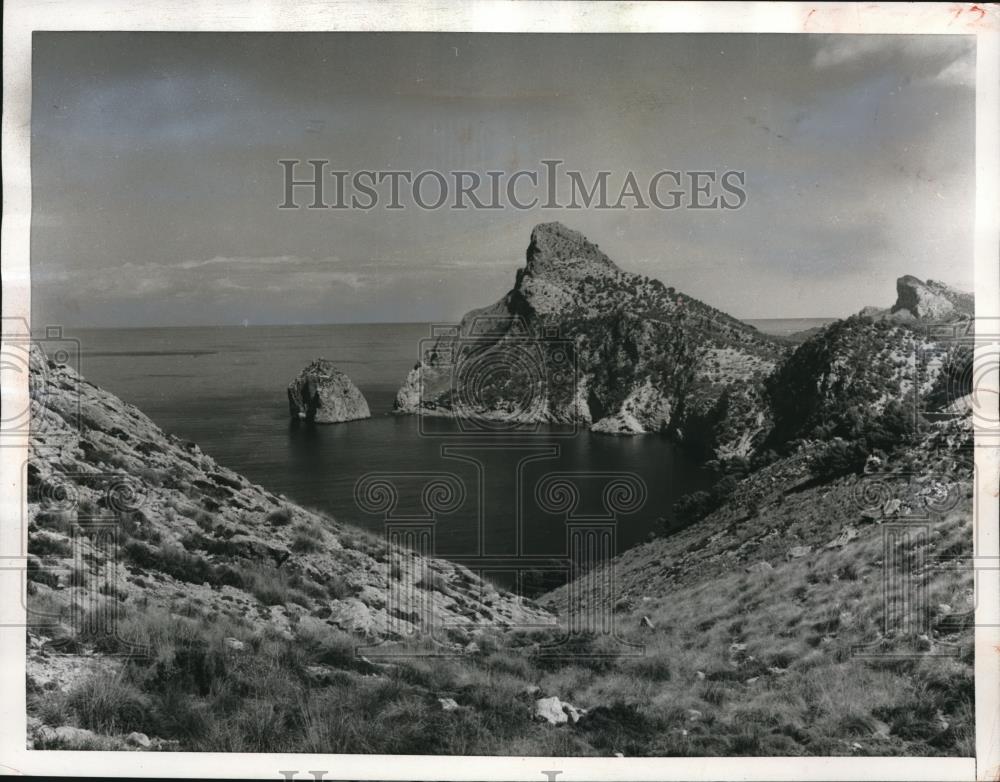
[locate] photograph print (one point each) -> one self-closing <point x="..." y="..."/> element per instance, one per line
<point x="502" y="394"/>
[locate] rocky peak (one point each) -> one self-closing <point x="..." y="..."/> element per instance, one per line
<point x="646" y="358"/>
<point x="931" y="300"/>
<point x="554" y="248"/>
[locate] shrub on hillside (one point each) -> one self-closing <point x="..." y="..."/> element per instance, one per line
<point x="839" y="458"/>
<point x="280" y="517"/>
<point x="692" y="507"/>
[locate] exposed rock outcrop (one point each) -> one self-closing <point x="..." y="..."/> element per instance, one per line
<point x="917" y="300"/>
<point x="557" y="712"/>
<point x="578" y="340"/>
<point x="323" y="394"/>
<point x="931" y="300"/>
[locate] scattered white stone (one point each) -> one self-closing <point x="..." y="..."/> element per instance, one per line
<point x="797" y="552"/>
<point x="700" y="675"/>
<point x="752" y="679"/>
<point x="137" y="739"/>
<point x="647" y="623"/>
<point x="448" y="704"/>
<point x="556" y="712"/>
<point x="234" y="644"/>
<point x="693" y="715"/>
<point x="550" y="710"/>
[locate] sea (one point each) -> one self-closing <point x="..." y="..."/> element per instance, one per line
<point x="225" y="389"/>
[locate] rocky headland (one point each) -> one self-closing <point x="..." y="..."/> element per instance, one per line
<point x="578" y="340"/>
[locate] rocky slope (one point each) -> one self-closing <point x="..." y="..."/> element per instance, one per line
<point x="322" y="394"/>
<point x="187" y="557"/>
<point x="579" y="340"/>
<point x="775" y="617"/>
<point x="773" y="595"/>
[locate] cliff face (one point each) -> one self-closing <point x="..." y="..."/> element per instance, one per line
<point x="323" y="394"/>
<point x="579" y="340"/>
<point x="931" y="300"/>
<point x="925" y="301"/>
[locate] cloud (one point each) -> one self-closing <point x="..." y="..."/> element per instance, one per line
<point x="946" y="60"/>
<point x="849" y="49"/>
<point x="223" y="275"/>
<point x="961" y="72"/>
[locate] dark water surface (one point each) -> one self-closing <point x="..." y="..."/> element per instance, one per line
<point x="224" y="388"/>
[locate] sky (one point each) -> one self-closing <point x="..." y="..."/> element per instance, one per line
<point x="156" y="181"/>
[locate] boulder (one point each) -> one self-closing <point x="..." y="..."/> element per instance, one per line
<point x="66" y="735"/>
<point x="556" y="712"/>
<point x="323" y="394"/>
<point x="136" y="739"/>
